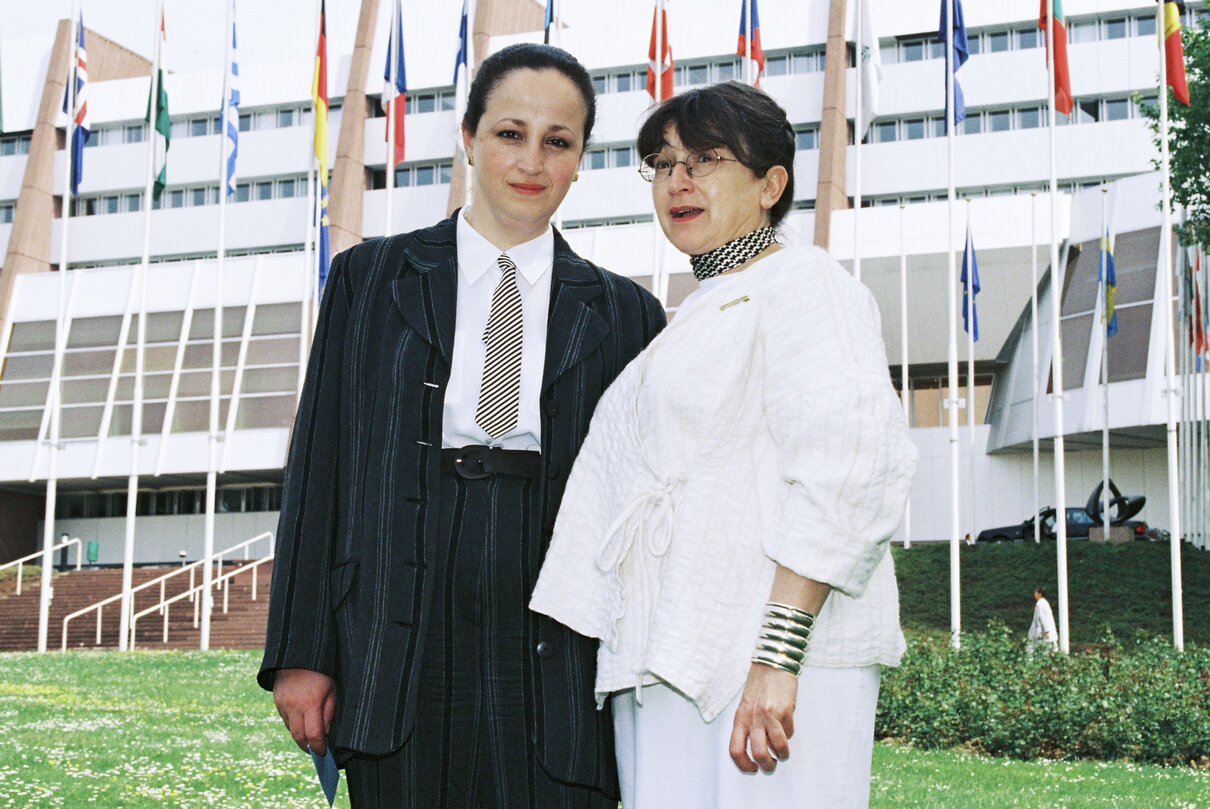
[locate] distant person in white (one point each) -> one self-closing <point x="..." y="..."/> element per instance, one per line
<point x="1042" y="632"/>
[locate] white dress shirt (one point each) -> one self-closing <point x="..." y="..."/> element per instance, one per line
<point x="478" y="277"/>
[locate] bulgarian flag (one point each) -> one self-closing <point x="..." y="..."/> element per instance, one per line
<point x="1174" y="50"/>
<point x="1062" y="78"/>
<point x="157" y="118"/>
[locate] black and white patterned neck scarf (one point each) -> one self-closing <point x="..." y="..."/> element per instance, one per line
<point x="732" y="254"/>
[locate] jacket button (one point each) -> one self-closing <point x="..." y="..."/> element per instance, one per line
<point x="552" y="471"/>
<point x="545" y="650"/>
<point x="551" y="407"/>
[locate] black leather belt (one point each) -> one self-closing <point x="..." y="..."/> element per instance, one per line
<point x="476" y="461"/>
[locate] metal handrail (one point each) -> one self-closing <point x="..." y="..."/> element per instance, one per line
<point x="20" y="563"/>
<point x="161" y="580"/>
<point x="224" y="580"/>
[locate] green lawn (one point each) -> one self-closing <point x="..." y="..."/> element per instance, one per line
<point x="1126" y="588"/>
<point x="185" y="729"/>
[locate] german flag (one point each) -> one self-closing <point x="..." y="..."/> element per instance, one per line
<point x="1174" y="50"/>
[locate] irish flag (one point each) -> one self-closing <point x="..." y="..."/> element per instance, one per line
<point x="157" y="118"/>
<point x="1062" y="79"/>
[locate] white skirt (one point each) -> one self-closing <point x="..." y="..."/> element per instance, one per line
<point x="669" y="758"/>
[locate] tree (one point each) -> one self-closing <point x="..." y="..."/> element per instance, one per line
<point x="1189" y="140"/>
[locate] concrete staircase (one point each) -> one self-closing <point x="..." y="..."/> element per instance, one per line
<point x="242" y="627"/>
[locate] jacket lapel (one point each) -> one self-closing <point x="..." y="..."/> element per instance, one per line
<point x="425" y="293"/>
<point x="574" y="329"/>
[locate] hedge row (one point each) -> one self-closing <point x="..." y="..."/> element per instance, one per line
<point x="1144" y="702"/>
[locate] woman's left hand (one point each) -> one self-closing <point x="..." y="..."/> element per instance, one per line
<point x="764" y="721"/>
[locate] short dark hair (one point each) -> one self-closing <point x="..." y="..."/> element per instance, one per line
<point x="528" y="56"/>
<point x="1041" y="590"/>
<point x="741" y="118"/>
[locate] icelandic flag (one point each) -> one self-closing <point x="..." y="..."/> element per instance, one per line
<point x="394" y="93"/>
<point x="231" y="110"/>
<point x="1109" y="316"/>
<point x="749" y="46"/>
<point x="970" y="288"/>
<point x="319" y="101"/>
<point x="79" y="113"/>
<point x="961" y="54"/>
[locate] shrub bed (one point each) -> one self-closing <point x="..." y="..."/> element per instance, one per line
<point x="1142" y="702"/>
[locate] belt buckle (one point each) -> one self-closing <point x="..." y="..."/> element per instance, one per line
<point x="474" y="462"/>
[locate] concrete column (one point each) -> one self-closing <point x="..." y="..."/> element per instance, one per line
<point x="834" y="128"/>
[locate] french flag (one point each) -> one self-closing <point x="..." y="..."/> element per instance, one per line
<point x="395" y="91"/>
<point x="749" y="46"/>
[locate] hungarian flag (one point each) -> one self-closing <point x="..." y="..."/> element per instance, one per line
<point x="1062" y="79"/>
<point x="749" y="44"/>
<point x="394" y="94"/>
<point x="1174" y="50"/>
<point x="158" y="120"/>
<point x="78" y="110"/>
<point x="664" y="63"/>
<point x="319" y="100"/>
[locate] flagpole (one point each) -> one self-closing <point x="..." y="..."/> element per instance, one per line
<point x="56" y="415"/>
<point x="952" y="288"/>
<point x="216" y="354"/>
<point x="132" y="483"/>
<point x="903" y="364"/>
<point x="1182" y="296"/>
<point x="1170" y="391"/>
<point x="392" y="112"/>
<point x="1105" y="315"/>
<point x="969" y="302"/>
<point x="1056" y="295"/>
<point x="857" y="135"/>
<point x="1033" y="319"/>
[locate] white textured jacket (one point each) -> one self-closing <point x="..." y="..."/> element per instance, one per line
<point x="759" y="428"/>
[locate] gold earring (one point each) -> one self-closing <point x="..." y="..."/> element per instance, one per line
<point x="470" y="160"/>
<point x="576" y="177"/>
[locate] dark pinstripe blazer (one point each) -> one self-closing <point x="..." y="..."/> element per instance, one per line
<point x="351" y="592"/>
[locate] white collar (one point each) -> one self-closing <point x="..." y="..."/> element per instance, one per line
<point x="476" y="255"/>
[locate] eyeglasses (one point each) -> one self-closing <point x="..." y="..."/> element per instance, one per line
<point x="655" y="168"/>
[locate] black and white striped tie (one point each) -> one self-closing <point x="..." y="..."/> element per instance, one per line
<point x="501" y="389"/>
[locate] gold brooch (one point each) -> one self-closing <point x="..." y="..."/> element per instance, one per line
<point x="729" y="304"/>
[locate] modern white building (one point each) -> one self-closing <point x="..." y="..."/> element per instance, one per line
<point x="1001" y="165"/>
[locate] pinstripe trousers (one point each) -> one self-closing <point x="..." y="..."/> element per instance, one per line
<point x="471" y="746"/>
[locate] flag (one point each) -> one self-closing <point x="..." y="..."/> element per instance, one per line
<point x="158" y="121"/>
<point x="79" y="112"/>
<point x="1197" y="328"/>
<point x="970" y="288"/>
<point x="664" y="64"/>
<point x="749" y="46"/>
<point x="1063" y="99"/>
<point x="395" y="92"/>
<point x="1109" y="315"/>
<point x="463" y="50"/>
<point x="550" y="18"/>
<point x="231" y="109"/>
<point x="1174" y="50"/>
<point x="319" y="101"/>
<point x="870" y="69"/>
<point x="961" y="54"/>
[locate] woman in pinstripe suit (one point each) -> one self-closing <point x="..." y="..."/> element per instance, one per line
<point x="451" y="382"/>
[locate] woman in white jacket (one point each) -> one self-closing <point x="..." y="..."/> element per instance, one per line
<point x="724" y="531"/>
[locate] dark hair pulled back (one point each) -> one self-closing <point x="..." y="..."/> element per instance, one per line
<point x="733" y="115"/>
<point x="528" y="56"/>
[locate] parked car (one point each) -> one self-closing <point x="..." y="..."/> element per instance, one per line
<point x="1079" y="520"/>
<point x="1078" y="523"/>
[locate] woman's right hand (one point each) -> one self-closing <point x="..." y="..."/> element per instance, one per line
<point x="306" y="701"/>
<point x="764" y="720"/>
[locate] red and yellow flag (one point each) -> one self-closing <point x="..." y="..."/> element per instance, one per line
<point x="1174" y="50"/>
<point x="1062" y="78"/>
